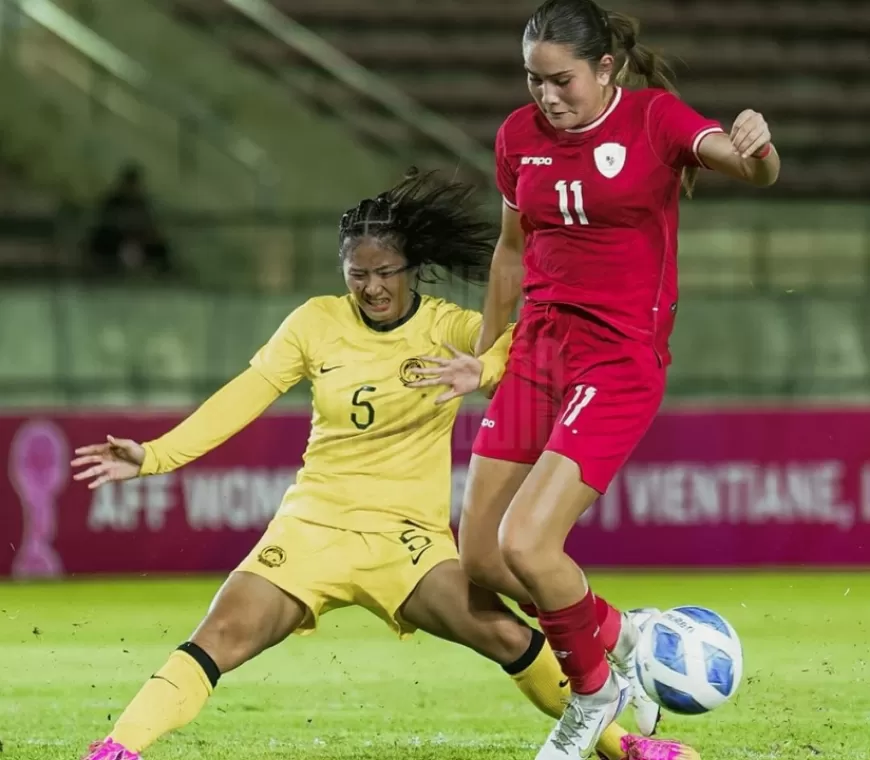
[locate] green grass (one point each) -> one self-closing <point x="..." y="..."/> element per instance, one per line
<point x="73" y="654"/>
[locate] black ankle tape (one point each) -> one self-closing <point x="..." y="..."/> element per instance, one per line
<point x="204" y="661"/>
<point x="529" y="656"/>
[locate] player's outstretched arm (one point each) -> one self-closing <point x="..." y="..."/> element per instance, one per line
<point x="505" y="280"/>
<point x="747" y="153"/>
<point x="233" y="407"/>
<point x="276" y="367"/>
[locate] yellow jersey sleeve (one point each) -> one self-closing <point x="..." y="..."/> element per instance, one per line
<point x="283" y="361"/>
<point x="233" y="407"/>
<point x="461" y="327"/>
<point x="277" y="366"/>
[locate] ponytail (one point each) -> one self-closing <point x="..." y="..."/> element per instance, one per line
<point x="638" y="65"/>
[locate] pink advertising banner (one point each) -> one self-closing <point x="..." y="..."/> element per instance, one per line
<point x="705" y="489"/>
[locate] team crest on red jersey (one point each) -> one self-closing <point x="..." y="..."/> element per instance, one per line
<point x="609" y="158"/>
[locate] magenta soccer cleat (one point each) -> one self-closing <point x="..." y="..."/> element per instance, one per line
<point x="643" y="748"/>
<point x="110" y="750"/>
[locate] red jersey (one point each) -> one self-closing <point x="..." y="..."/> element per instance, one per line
<point x="600" y="207"/>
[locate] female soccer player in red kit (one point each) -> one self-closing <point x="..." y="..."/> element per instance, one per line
<point x="591" y="176"/>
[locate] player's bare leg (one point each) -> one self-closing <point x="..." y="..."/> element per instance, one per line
<point x="489" y="490"/>
<point x="532" y="538"/>
<point x="448" y="605"/>
<point x="248" y="615"/>
<point x="490" y="487"/>
<point x="533" y="531"/>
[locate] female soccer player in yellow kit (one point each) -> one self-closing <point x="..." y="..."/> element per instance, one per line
<point x="368" y="520"/>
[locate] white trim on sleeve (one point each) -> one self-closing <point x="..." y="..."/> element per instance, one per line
<point x="696" y="143"/>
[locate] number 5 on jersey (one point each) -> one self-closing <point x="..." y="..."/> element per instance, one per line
<point x="576" y="195"/>
<point x="364" y="414"/>
<point x="583" y="394"/>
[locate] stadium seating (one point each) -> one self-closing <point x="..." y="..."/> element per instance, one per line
<point x="802" y="64"/>
<point x="71" y="346"/>
<point x="29" y="240"/>
<point x="103" y="346"/>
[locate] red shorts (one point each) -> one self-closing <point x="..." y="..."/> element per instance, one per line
<point x="575" y="387"/>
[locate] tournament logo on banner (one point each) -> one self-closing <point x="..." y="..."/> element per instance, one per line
<point x="38" y="472"/>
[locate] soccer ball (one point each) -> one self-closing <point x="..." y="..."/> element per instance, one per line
<point x="689" y="660"/>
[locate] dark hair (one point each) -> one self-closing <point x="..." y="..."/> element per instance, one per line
<point x="592" y="32"/>
<point x="434" y="224"/>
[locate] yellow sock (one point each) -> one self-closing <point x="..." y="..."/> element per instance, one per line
<point x="545" y="686"/>
<point x="609" y="743"/>
<point x="170" y="699"/>
<point x="539" y="677"/>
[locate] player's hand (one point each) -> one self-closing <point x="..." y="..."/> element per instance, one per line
<point x="461" y="374"/>
<point x="750" y="133"/>
<point x="117" y="459"/>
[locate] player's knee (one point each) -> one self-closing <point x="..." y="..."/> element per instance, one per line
<point x="482" y="568"/>
<point x="504" y="640"/>
<point x="230" y="640"/>
<point x="522" y="550"/>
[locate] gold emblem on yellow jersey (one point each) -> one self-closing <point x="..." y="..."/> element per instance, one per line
<point x="408" y="371"/>
<point x="272" y="556"/>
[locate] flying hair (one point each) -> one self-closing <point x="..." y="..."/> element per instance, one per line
<point x="435" y="224"/>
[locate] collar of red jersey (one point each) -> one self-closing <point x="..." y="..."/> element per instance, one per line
<point x="614" y="102"/>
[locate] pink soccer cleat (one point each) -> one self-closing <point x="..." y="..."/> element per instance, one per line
<point x="643" y="748"/>
<point x="110" y="750"/>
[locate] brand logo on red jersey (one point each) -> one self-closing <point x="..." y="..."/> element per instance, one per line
<point x="609" y="158"/>
<point x="536" y="161"/>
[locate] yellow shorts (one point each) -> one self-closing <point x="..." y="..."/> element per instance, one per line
<point x="326" y="568"/>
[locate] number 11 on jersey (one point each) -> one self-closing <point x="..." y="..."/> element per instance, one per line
<point x="576" y="191"/>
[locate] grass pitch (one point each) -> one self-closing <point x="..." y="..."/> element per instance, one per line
<point x="72" y="654"/>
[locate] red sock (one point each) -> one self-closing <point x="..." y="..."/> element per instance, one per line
<point x="529" y="609"/>
<point x="610" y="622"/>
<point x="574" y="635"/>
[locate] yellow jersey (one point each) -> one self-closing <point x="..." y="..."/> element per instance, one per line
<point x="379" y="452"/>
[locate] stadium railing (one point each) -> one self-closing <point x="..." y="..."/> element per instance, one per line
<point x="414" y="121"/>
<point x="127" y="111"/>
<point x="90" y="86"/>
<point x="77" y="108"/>
<point x="320" y="159"/>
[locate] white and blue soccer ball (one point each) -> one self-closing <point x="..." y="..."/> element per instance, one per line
<point x="689" y="660"/>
